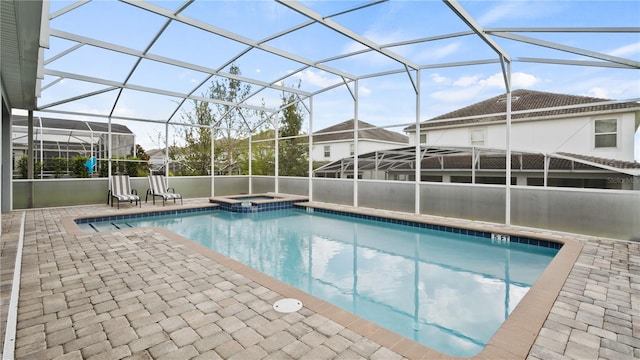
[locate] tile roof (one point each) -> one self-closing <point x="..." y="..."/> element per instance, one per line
<point x="369" y="134"/>
<point x="618" y="164"/>
<point x="523" y="100"/>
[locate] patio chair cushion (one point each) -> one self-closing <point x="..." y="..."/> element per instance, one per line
<point x="158" y="187"/>
<point x="121" y="189"/>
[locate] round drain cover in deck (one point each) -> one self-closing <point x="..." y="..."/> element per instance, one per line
<point x="287" y="305"/>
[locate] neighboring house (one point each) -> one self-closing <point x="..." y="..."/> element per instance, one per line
<point x="337" y="142"/>
<point x="604" y="130"/>
<point x="156" y="161"/>
<point x="587" y="142"/>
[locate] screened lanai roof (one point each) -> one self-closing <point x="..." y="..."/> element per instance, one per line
<point x="64" y="131"/>
<point x="452" y="158"/>
<point x="147" y="60"/>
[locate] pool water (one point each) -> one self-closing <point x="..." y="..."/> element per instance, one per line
<point x="448" y="291"/>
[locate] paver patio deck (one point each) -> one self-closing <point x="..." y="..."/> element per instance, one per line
<point x="142" y="294"/>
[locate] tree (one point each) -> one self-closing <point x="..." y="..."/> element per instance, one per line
<point x="224" y="118"/>
<point x="263" y="154"/>
<point x="292" y="153"/>
<point x="230" y="119"/>
<point x="143" y="168"/>
<point x="195" y="156"/>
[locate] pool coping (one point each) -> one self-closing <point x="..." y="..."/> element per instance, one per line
<point x="233" y="199"/>
<point x="513" y="339"/>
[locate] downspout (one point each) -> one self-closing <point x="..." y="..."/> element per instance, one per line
<point x="30" y="157"/>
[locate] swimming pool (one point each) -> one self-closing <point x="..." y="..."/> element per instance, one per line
<point x="449" y="291"/>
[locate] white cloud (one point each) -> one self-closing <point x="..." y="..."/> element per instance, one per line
<point x="466" y="81"/>
<point x="518" y="80"/>
<point x="499" y="12"/>
<point x="599" y="93"/>
<point x="523" y="80"/>
<point x="353" y="46"/>
<point x="627" y="50"/>
<point x="513" y="10"/>
<point x="364" y="91"/>
<point x="439" y="79"/>
<point x="456" y="96"/>
<point x="470" y="88"/>
<point x="315" y="78"/>
<point x="258" y="71"/>
<point x="440" y="52"/>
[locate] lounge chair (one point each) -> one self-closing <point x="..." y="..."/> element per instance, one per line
<point x="158" y="187"/>
<point x="120" y="189"/>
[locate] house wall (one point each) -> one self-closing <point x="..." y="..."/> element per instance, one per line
<point x="572" y="135"/>
<point x="341" y="149"/>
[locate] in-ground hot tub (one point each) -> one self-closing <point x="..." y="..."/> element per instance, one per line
<point x="256" y="202"/>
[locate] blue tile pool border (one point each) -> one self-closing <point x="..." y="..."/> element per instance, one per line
<point x="259" y="206"/>
<point x="145" y="214"/>
<point x="483" y="234"/>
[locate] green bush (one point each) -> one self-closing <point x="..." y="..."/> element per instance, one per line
<point x="59" y="166"/>
<point x="77" y="167"/>
<point x="23" y="165"/>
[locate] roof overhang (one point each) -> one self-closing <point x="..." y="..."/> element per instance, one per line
<point x="20" y="35"/>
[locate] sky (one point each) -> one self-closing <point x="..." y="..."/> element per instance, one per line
<point x="383" y="101"/>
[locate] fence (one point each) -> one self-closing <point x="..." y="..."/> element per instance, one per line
<point x="608" y="213"/>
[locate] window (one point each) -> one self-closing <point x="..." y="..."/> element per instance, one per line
<point x="327" y="151"/>
<point x="423" y="138"/>
<point x="606" y="133"/>
<point x="476" y="137"/>
<point x="352" y="148"/>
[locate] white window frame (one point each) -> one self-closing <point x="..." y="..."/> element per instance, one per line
<point x="327" y="151"/>
<point x="424" y="138"/>
<point x="482" y="131"/>
<point x="352" y="149"/>
<point x="596" y="134"/>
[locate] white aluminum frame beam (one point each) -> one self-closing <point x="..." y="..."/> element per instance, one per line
<point x="464" y="16"/>
<point x="602" y="64"/>
<point x="569" y="49"/>
<point x="149" y="90"/>
<point x="232" y="36"/>
<point x="301" y="9"/>
<point x="132" y="52"/>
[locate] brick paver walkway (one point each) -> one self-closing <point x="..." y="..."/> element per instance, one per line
<point x="597" y="314"/>
<point x="138" y="294"/>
